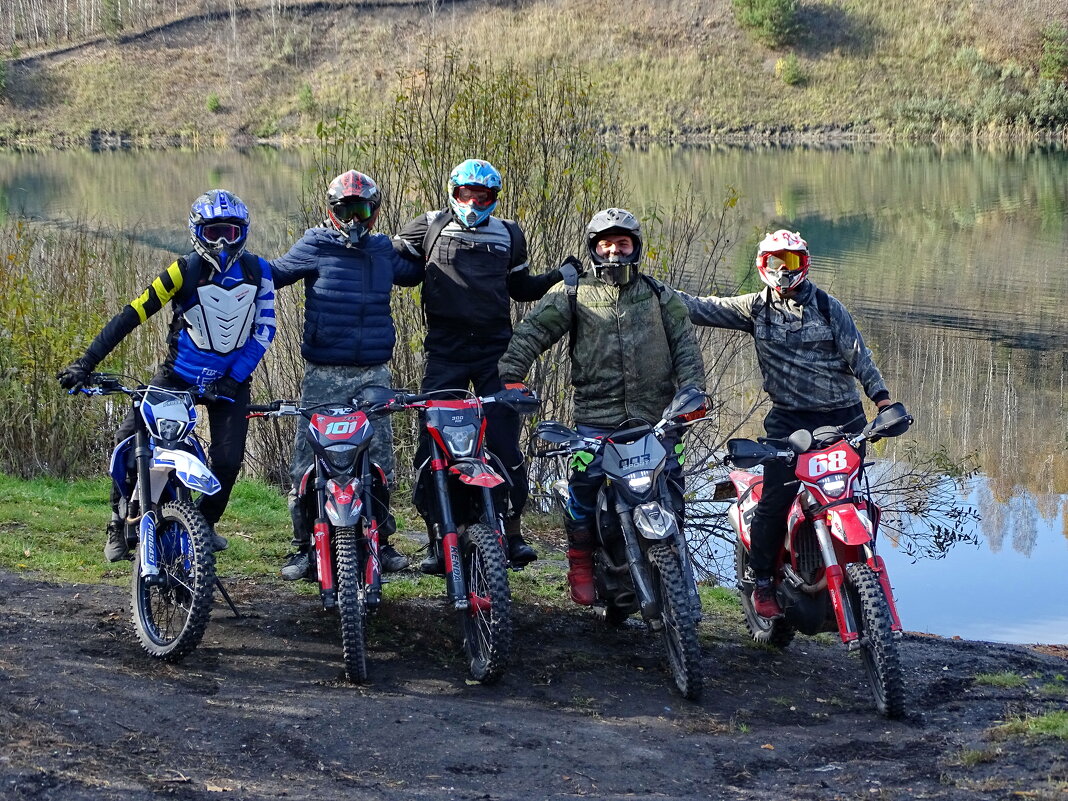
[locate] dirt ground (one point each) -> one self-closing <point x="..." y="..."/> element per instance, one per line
<point x="259" y="711"/>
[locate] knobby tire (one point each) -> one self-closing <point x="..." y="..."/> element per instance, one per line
<point x="170" y="616"/>
<point x="680" y="624"/>
<point x="350" y="606"/>
<point x="878" y="650"/>
<point x="487" y="633"/>
<point x="777" y="632"/>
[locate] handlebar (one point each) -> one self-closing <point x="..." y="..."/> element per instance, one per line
<point x="112" y="384"/>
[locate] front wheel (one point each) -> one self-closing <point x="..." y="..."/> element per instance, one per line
<point x="775" y="632"/>
<point x="350" y="604"/>
<point x="680" y="624"/>
<point x="487" y="623"/>
<point x="171" y="609"/>
<point x="878" y="646"/>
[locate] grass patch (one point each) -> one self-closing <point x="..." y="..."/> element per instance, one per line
<point x="1005" y="679"/>
<point x="1051" y="724"/>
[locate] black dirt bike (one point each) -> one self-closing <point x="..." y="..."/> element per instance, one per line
<point x="641" y="559"/>
<point x="157" y="471"/>
<point x="455" y="491"/>
<point x="341" y="493"/>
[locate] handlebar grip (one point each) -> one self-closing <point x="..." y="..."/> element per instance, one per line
<point x="274" y="406"/>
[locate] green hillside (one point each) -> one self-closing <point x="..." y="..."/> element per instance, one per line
<point x="215" y="72"/>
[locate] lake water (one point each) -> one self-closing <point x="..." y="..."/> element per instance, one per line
<point x="952" y="261"/>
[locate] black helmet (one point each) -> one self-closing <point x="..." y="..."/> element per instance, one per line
<point x="353" y="202"/>
<point x="616" y="269"/>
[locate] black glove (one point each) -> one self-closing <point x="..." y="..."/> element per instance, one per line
<point x="224" y="388"/>
<point x="570" y="269"/>
<point x="75" y="375"/>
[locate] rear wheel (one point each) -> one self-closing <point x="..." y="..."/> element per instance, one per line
<point x="878" y="649"/>
<point x="171" y="608"/>
<point x="350" y="606"/>
<point x="680" y="624"/>
<point x="775" y="632"/>
<point x="487" y="623"/>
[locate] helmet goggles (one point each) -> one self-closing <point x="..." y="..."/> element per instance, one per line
<point x="222" y="233"/>
<point x="480" y="197"/>
<point x="353" y="208"/>
<point x="788" y="260"/>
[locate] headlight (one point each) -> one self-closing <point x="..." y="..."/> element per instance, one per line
<point x="640" y="482"/>
<point x="169" y="430"/>
<point x="460" y="439"/>
<point x="340" y="456"/>
<point x="834" y="485"/>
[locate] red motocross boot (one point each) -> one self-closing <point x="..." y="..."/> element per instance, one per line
<point x="764" y="601"/>
<point x="580" y="576"/>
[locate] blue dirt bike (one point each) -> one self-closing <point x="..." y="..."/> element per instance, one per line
<point x="157" y="471"/>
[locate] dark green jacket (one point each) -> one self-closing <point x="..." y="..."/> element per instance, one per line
<point x="634" y="348"/>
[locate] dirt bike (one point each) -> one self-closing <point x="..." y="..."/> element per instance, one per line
<point x="828" y="575"/>
<point x="156" y="470"/>
<point x="340" y="492"/>
<point x="641" y="558"/>
<point x="455" y="492"/>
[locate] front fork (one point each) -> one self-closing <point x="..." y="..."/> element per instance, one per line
<point x="843" y="607"/>
<point x="450" y="540"/>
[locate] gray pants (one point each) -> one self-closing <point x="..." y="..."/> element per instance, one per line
<point x="326" y="383"/>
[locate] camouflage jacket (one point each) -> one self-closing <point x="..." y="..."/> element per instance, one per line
<point x="809" y="363"/>
<point x="634" y="348"/>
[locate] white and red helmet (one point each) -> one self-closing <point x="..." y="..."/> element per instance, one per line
<point x="782" y="260"/>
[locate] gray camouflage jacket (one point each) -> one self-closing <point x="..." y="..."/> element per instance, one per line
<point x="807" y="364"/>
<point x="633" y="350"/>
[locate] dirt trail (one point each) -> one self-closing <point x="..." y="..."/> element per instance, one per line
<point x="259" y="712"/>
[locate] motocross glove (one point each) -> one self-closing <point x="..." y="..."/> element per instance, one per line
<point x="224" y="388"/>
<point x="75" y="375"/>
<point x="570" y="270"/>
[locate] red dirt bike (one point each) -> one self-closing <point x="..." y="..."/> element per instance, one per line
<point x="455" y="491"/>
<point x="339" y="491"/>
<point x="828" y="576"/>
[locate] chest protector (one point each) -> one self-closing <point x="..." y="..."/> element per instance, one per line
<point x="219" y="310"/>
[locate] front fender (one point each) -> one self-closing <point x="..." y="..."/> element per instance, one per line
<point x="849" y="525"/>
<point x="190" y="470"/>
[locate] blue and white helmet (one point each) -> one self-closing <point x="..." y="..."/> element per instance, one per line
<point x="218" y="226"/>
<point x="474" y="173"/>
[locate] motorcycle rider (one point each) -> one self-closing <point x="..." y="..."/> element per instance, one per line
<point x="475" y="263"/>
<point x="632" y="347"/>
<point x="811" y="356"/>
<point x="223" y="300"/>
<point x="348" y="274"/>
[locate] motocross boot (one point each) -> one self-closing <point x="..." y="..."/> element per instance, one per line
<point x="116" y="549"/>
<point x="391" y="559"/>
<point x="764" y="601"/>
<point x="434" y="564"/>
<point x="580" y="576"/>
<point x="520" y="554"/>
<point x="216" y="541"/>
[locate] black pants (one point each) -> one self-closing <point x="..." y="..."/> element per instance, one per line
<point x="228" y="427"/>
<point x="769" y="520"/>
<point x="502" y="423"/>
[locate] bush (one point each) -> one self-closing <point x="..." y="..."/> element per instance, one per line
<point x="214" y="105"/>
<point x="1053" y="64"/>
<point x="789" y="70"/>
<point x="306" y="100"/>
<point x="772" y="22"/>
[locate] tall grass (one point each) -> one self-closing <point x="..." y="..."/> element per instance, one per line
<point x="57" y="289"/>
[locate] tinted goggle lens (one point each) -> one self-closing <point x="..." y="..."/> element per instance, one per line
<point x="787" y="260"/>
<point x="354" y="209"/>
<point x="222" y="232"/>
<point x="478" y="196"/>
